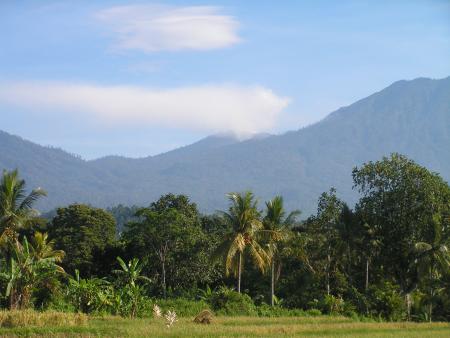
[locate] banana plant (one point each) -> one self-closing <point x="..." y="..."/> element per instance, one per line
<point x="131" y="272"/>
<point x="130" y="292"/>
<point x="89" y="295"/>
<point x="31" y="266"/>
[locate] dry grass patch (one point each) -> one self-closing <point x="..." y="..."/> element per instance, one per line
<point x="30" y="318"/>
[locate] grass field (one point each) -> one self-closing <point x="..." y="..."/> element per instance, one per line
<point x="322" y="326"/>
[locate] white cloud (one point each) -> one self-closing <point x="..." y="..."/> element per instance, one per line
<point x="213" y="108"/>
<point x="152" y="28"/>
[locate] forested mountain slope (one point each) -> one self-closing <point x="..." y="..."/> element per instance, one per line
<point x="409" y="117"/>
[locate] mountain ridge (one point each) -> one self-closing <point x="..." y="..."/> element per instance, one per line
<point x="410" y="117"/>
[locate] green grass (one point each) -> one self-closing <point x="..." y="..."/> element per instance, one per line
<point x="322" y="326"/>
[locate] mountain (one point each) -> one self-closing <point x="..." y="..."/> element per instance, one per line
<point x="409" y="117"/>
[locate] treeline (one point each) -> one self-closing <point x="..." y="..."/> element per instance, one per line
<point x="385" y="258"/>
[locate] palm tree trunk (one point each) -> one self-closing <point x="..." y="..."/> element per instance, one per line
<point x="239" y="272"/>
<point x="272" y="284"/>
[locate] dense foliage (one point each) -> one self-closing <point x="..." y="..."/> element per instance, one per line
<point x="386" y="258"/>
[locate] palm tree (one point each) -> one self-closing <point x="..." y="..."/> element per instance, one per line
<point x="43" y="248"/>
<point x="243" y="217"/>
<point x="277" y="229"/>
<point x="432" y="260"/>
<point x="16" y="207"/>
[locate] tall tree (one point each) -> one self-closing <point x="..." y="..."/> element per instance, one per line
<point x="82" y="232"/>
<point x="16" y="207"/>
<point x="324" y="227"/>
<point x="169" y="237"/>
<point x="244" y="219"/>
<point x="278" y="228"/>
<point x="405" y="201"/>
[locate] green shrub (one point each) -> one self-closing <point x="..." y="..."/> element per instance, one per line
<point x="60" y="303"/>
<point x="331" y="305"/>
<point x="313" y="312"/>
<point x="358" y="301"/>
<point x="386" y="302"/>
<point x="183" y="307"/>
<point x="90" y="295"/>
<point x="231" y="303"/>
<point x="265" y="310"/>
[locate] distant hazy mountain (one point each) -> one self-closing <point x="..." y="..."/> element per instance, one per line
<point x="409" y="117"/>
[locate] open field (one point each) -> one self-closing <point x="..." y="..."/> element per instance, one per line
<point x="323" y="326"/>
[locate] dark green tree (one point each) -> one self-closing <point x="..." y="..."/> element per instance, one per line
<point x="83" y="233"/>
<point x="168" y="236"/>
<point x="406" y="202"/>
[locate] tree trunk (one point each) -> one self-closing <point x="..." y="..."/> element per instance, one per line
<point x="239" y="272"/>
<point x="430" y="311"/>
<point x="328" y="273"/>
<point x="367" y="274"/>
<point x="430" y="307"/>
<point x="164" y="279"/>
<point x="408" y="305"/>
<point x="272" y="284"/>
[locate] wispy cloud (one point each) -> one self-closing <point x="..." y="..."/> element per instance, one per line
<point x="213" y="108"/>
<point x="152" y="28"/>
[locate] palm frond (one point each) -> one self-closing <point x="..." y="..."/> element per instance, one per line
<point x="28" y="201"/>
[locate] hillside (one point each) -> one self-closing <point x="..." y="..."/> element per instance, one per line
<point x="410" y="117"/>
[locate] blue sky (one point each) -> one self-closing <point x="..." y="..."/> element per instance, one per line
<point x="139" y="78"/>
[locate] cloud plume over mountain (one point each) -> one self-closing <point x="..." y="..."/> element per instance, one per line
<point x="213" y="108"/>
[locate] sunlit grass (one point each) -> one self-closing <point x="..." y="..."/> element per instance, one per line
<point x="30" y="318"/>
<point x="322" y="326"/>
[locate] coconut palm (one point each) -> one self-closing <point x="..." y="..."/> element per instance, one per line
<point x="43" y="248"/>
<point x="16" y="207"/>
<point x="276" y="229"/>
<point x="432" y="260"/>
<point x="243" y="217"/>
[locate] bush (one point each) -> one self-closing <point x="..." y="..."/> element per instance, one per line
<point x="332" y="305"/>
<point x="386" y="301"/>
<point x="358" y="300"/>
<point x="59" y="303"/>
<point x="90" y="295"/>
<point x="183" y="307"/>
<point x="231" y="303"/>
<point x="265" y="310"/>
<point x="27" y="318"/>
<point x="313" y="312"/>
